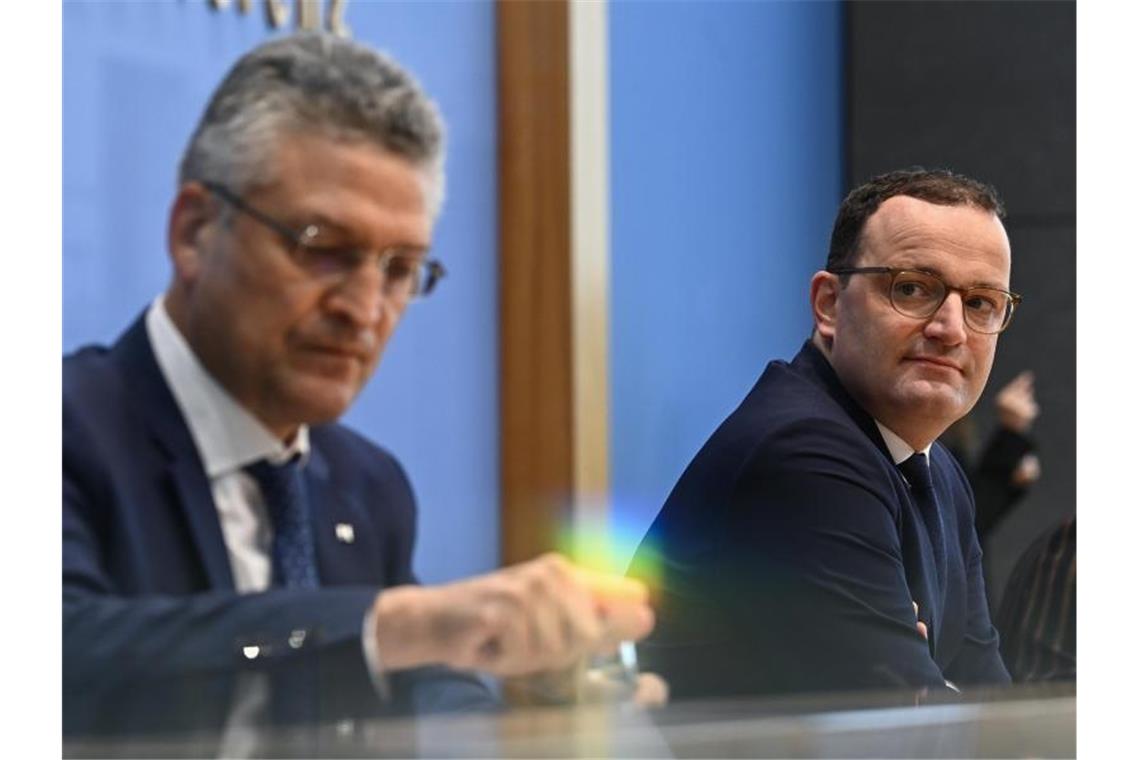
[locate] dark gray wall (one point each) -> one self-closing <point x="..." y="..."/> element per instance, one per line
<point x="989" y="89"/>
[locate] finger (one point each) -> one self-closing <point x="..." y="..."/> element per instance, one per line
<point x="615" y="587"/>
<point x="1019" y="390"/>
<point x="485" y="647"/>
<point x="595" y="686"/>
<point x="1028" y="471"/>
<point x="580" y="624"/>
<point x="921" y="626"/>
<point x="505" y="637"/>
<point x="622" y="604"/>
<point x="551" y="634"/>
<point x="584" y="622"/>
<point x="652" y="690"/>
<point x="1018" y="399"/>
<point x="625" y="621"/>
<point x="546" y="639"/>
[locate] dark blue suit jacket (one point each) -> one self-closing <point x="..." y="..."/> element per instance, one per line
<point x="788" y="554"/>
<point x="153" y="629"/>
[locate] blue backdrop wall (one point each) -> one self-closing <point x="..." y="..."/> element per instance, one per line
<point x="726" y="164"/>
<point x="726" y="135"/>
<point x="136" y="77"/>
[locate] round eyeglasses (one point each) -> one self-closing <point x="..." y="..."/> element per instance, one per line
<point x="328" y="256"/>
<point x="921" y="294"/>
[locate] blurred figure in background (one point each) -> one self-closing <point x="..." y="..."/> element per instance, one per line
<point x="1038" y="615"/>
<point x="1007" y="466"/>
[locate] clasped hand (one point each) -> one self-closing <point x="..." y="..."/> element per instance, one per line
<point x="539" y="616"/>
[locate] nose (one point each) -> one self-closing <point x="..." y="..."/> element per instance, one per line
<point x="359" y="297"/>
<point x="948" y="324"/>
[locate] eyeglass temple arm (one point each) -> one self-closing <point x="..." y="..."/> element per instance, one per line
<point x="291" y="235"/>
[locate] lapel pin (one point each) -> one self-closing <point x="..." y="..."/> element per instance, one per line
<point x="345" y="533"/>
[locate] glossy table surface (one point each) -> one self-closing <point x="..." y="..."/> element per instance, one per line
<point x="1014" y="722"/>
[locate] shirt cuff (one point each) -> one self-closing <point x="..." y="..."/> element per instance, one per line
<point x="372" y="657"/>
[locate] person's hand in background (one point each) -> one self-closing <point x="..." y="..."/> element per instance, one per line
<point x="1016" y="405"/>
<point x="1027" y="472"/>
<point x="1017" y="410"/>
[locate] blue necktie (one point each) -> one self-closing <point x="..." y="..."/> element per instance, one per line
<point x="294" y="552"/>
<point x="917" y="473"/>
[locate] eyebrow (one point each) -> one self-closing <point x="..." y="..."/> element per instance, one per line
<point x="325" y="224"/>
<point x="938" y="273"/>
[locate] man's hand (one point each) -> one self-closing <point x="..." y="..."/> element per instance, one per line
<point x="919" y="624"/>
<point x="1027" y="472"/>
<point x="650" y="690"/>
<point x="537" y="616"/>
<point x="1016" y="406"/>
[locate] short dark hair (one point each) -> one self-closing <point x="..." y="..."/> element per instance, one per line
<point x="939" y="186"/>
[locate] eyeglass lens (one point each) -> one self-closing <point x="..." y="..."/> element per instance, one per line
<point x="405" y="275"/>
<point x="920" y="295"/>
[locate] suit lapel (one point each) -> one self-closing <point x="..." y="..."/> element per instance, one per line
<point x="197" y="501"/>
<point x="160" y="413"/>
<point x="813" y="363"/>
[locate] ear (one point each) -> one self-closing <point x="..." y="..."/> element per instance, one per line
<point x="193" y="219"/>
<point x="825" y="289"/>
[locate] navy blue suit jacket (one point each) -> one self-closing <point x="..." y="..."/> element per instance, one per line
<point x="789" y="553"/>
<point x="151" y="618"/>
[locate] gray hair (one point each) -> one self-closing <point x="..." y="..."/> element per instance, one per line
<point x="313" y="83"/>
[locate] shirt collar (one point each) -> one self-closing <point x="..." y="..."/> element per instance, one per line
<point x="227" y="436"/>
<point x="900" y="449"/>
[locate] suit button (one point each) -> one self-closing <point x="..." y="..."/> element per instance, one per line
<point x="297" y="638"/>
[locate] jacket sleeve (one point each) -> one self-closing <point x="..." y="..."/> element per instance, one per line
<point x="979" y="659"/>
<point x="135" y="659"/>
<point x="790" y="577"/>
<point x="817" y="538"/>
<point x="146" y="660"/>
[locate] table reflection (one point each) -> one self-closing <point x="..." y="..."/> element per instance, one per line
<point x="1037" y="721"/>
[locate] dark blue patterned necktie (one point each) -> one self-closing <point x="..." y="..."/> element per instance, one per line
<point x="287" y="500"/>
<point x="917" y="473"/>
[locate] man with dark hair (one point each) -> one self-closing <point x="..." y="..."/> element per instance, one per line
<point x="217" y="522"/>
<point x="939" y="187"/>
<point x="821" y="540"/>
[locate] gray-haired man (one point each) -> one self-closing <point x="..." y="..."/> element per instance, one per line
<point x="216" y="519"/>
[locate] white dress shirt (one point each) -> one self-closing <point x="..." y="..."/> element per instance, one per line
<point x="228" y="438"/>
<point x="900" y="452"/>
<point x="900" y="449"/>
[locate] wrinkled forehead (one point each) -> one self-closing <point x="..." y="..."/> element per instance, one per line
<point x="906" y="231"/>
<point x="292" y="157"/>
